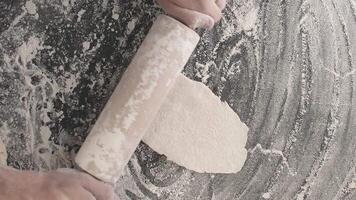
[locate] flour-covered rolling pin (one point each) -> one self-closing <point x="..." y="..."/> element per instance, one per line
<point x="137" y="99"/>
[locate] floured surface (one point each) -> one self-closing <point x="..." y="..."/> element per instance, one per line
<point x="3" y="154"/>
<point x="287" y="68"/>
<point x="196" y="130"/>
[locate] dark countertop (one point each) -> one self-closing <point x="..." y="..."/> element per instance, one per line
<point x="286" y="67"/>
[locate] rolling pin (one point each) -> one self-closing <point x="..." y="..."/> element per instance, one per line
<point x="137" y="99"/>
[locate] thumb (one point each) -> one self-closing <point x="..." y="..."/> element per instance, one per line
<point x="101" y="190"/>
<point x="191" y="18"/>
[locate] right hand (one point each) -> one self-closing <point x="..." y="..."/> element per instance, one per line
<point x="195" y="13"/>
<point x="65" y="184"/>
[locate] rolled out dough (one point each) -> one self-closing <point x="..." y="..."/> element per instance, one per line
<point x="196" y="130"/>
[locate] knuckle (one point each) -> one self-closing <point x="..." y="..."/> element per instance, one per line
<point x="109" y="192"/>
<point x="218" y="16"/>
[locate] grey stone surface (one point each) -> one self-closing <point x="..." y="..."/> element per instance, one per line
<point x="286" y="67"/>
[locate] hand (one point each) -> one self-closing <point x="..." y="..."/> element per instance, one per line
<point x="65" y="184"/>
<point x="195" y="13"/>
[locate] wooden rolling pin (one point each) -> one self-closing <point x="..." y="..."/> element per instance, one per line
<point x="137" y="99"/>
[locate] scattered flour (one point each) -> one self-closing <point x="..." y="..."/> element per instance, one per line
<point x="249" y="21"/>
<point x="3" y="154"/>
<point x="247" y="18"/>
<point x="115" y="10"/>
<point x="129" y="119"/>
<point x="352" y="185"/>
<point x="234" y="69"/>
<point x="131" y="25"/>
<point x="203" y="71"/>
<point x="104" y="4"/>
<point x="4" y="132"/>
<point x="80" y="14"/>
<point x="31" y="7"/>
<point x="7" y="59"/>
<point x="115" y="16"/>
<point x="28" y="50"/>
<point x="266" y="195"/>
<point x="65" y="3"/>
<point x="71" y="82"/>
<point x="86" y="46"/>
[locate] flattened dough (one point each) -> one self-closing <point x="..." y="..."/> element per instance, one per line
<point x="196" y="130"/>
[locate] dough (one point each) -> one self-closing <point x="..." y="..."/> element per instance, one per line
<point x="195" y="129"/>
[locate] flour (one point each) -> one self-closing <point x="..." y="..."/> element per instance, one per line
<point x="71" y="82"/>
<point x="249" y="21"/>
<point x="196" y="130"/>
<point x="115" y="16"/>
<point x="352" y="185"/>
<point x="80" y="14"/>
<point x="203" y="71"/>
<point x="4" y="132"/>
<point x="31" y="7"/>
<point x="65" y="3"/>
<point x="131" y="25"/>
<point x="266" y="195"/>
<point x="104" y="4"/>
<point x="247" y="18"/>
<point x="28" y="50"/>
<point x="129" y="119"/>
<point x="3" y="154"/>
<point x="115" y="11"/>
<point x="86" y="46"/>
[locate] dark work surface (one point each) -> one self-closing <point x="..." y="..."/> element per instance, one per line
<point x="286" y="68"/>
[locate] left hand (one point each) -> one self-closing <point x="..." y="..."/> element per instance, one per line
<point x="64" y="184"/>
<point x="195" y="13"/>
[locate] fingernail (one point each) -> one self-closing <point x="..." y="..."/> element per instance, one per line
<point x="210" y="23"/>
<point x="221" y="4"/>
<point x="202" y="22"/>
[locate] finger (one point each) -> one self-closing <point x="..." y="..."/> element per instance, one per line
<point x="190" y="18"/>
<point x="85" y="195"/>
<point x="67" y="170"/>
<point x="208" y="7"/>
<point x="221" y="4"/>
<point x="100" y="190"/>
<point x="76" y="194"/>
